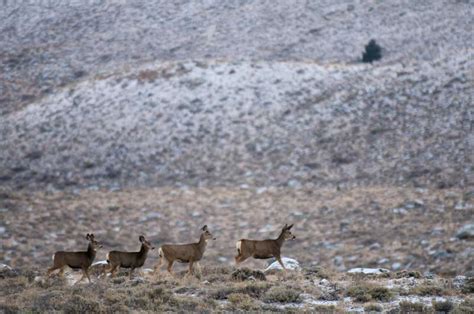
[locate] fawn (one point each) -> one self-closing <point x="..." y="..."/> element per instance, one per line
<point x="76" y="260"/>
<point x="184" y="253"/>
<point x="263" y="249"/>
<point x="131" y="260"/>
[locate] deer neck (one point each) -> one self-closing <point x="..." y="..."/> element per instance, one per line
<point x="91" y="252"/>
<point x="202" y="243"/>
<point x="280" y="239"/>
<point x="143" y="251"/>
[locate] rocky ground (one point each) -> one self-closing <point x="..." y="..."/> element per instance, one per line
<point x="394" y="228"/>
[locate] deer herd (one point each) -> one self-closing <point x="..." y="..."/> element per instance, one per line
<point x="190" y="253"/>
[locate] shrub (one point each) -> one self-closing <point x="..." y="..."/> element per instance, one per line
<point x="408" y="274"/>
<point x="282" y="295"/>
<point x="367" y="292"/>
<point x="412" y="307"/>
<point x="79" y="304"/>
<point x="373" y="308"/>
<point x="188" y="304"/>
<point x="247" y="274"/>
<point x="427" y="290"/>
<point x="372" y="52"/>
<point x="318" y="272"/>
<point x="465" y="307"/>
<point x="442" y="306"/>
<point x="242" y="301"/>
<point x="326" y="309"/>
<point x="468" y="286"/>
<point x="255" y="290"/>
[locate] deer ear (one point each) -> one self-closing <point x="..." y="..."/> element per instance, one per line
<point x="204" y="228"/>
<point x="87" y="236"/>
<point x="92" y="236"/>
<point x="289" y="227"/>
<point x="141" y="238"/>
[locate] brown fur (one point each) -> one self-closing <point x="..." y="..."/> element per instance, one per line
<point x="76" y="260"/>
<point x="131" y="260"/>
<point x="263" y="249"/>
<point x="184" y="253"/>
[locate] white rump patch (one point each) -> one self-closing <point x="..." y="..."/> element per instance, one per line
<point x="52" y="257"/>
<point x="160" y="252"/>
<point x="238" y="245"/>
<point x="107" y="257"/>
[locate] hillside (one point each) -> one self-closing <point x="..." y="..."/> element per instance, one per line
<point x="294" y="110"/>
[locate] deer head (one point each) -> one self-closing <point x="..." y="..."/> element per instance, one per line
<point x="207" y="234"/>
<point x="95" y="245"/>
<point x="146" y="243"/>
<point x="287" y="235"/>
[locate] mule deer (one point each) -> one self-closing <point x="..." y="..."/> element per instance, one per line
<point x="131" y="260"/>
<point x="263" y="249"/>
<point x="76" y="260"/>
<point x="184" y="253"/>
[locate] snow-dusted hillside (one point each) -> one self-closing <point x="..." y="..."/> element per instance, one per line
<point x="255" y="123"/>
<point x="109" y="93"/>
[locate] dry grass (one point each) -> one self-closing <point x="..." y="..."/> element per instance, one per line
<point x="214" y="290"/>
<point x="328" y="223"/>
<point x="413" y="307"/>
<point x="365" y="292"/>
<point x="428" y="289"/>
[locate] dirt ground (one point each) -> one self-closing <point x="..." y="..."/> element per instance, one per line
<point x="394" y="228"/>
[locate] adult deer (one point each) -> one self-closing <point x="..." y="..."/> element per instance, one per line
<point x="76" y="260"/>
<point x="131" y="260"/>
<point x="184" y="253"/>
<point x="263" y="249"/>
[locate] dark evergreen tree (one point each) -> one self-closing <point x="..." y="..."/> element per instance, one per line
<point x="372" y="52"/>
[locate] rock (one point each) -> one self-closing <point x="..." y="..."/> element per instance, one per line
<point x="222" y="259"/>
<point x="339" y="263"/>
<point x="396" y="266"/>
<point x="466" y="232"/>
<point x="459" y="281"/>
<point x="4" y="267"/>
<point x="244" y="274"/>
<point x="368" y="271"/>
<point x="290" y="264"/>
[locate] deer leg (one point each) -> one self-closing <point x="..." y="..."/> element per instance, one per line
<point x="281" y="263"/>
<point x="113" y="271"/>
<point x="82" y="278"/>
<point x="61" y="272"/>
<point x="87" y="274"/>
<point x="240" y="258"/>
<point x="191" y="272"/>
<point x="198" y="265"/>
<point x="159" y="265"/>
<point x="50" y="270"/>
<point x="170" y="265"/>
<point x="131" y="271"/>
